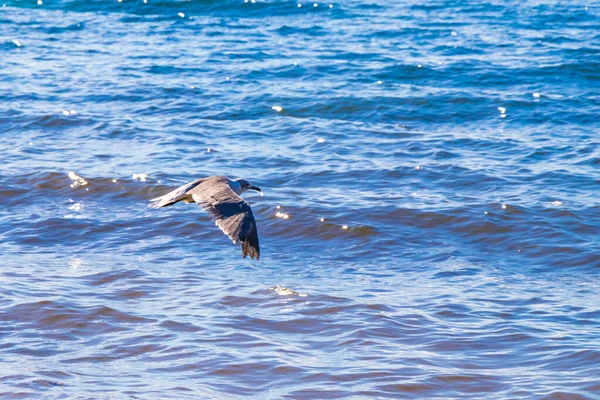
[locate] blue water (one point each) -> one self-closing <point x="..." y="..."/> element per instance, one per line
<point x="438" y="164"/>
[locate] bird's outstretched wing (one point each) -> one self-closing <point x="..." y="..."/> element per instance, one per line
<point x="230" y="212"/>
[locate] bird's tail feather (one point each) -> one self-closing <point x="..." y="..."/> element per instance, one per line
<point x="163" y="201"/>
<point x="159" y="202"/>
<point x="174" y="196"/>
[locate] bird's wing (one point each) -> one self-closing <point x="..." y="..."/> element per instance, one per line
<point x="230" y="212"/>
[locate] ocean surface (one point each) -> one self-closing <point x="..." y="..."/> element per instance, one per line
<point x="430" y="227"/>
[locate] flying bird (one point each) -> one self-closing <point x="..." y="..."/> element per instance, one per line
<point x="220" y="197"/>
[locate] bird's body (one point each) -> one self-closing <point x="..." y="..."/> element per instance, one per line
<point x="220" y="197"/>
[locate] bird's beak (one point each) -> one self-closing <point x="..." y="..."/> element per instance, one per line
<point x="254" y="188"/>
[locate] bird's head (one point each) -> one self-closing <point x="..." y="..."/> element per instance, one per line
<point x="245" y="185"/>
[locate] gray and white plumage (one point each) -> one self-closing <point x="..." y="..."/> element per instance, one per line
<point x="220" y="197"/>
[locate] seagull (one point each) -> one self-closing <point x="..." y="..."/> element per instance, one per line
<point x="220" y="197"/>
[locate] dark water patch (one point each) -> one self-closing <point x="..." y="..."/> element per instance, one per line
<point x="170" y="10"/>
<point x="560" y="395"/>
<point x="179" y="327"/>
<point x="51" y="315"/>
<point x="110" y="277"/>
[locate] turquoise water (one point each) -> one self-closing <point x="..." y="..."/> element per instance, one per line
<point x="437" y="164"/>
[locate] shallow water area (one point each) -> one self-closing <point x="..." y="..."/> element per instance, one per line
<point x="430" y="218"/>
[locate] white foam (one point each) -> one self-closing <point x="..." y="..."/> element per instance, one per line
<point x="283" y="291"/>
<point x="77" y="180"/>
<point x="76" y="207"/>
<point x="141" y="177"/>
